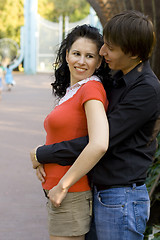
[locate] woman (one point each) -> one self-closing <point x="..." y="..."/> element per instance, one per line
<point x="79" y="73"/>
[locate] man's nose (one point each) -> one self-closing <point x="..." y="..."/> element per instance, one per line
<point x="103" y="50"/>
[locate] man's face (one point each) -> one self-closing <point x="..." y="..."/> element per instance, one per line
<point x="116" y="58"/>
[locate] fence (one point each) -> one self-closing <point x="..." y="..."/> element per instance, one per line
<point x="49" y="36"/>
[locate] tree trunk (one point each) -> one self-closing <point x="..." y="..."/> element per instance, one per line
<point x="105" y="9"/>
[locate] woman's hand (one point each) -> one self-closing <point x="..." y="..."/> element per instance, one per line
<point x="40" y="173"/>
<point x="35" y="163"/>
<point x="57" y="195"/>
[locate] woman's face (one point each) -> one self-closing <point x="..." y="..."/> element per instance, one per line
<point x="83" y="59"/>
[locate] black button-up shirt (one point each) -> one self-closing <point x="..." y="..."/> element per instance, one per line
<point x="134" y="121"/>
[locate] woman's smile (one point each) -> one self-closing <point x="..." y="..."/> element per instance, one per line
<point x="82" y="61"/>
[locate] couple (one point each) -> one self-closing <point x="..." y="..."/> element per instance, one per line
<point x="114" y="150"/>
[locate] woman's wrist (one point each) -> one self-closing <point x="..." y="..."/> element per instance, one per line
<point x="64" y="187"/>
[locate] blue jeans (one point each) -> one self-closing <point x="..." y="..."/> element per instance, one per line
<point x="121" y="213"/>
<point x="91" y="235"/>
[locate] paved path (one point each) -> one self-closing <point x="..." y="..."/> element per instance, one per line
<point x="22" y="111"/>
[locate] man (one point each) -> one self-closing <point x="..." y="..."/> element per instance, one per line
<point x="121" y="201"/>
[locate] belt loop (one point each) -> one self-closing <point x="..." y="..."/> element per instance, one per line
<point x="134" y="185"/>
<point x="95" y="189"/>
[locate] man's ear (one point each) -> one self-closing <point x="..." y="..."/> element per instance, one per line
<point x="135" y="57"/>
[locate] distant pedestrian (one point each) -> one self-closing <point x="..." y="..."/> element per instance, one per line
<point x="9" y="77"/>
<point x="1" y="79"/>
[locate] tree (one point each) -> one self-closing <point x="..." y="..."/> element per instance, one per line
<point x="105" y="9"/>
<point x="52" y="9"/>
<point x="2" y="3"/>
<point x="11" y="19"/>
<point x="46" y="9"/>
<point x="12" y="14"/>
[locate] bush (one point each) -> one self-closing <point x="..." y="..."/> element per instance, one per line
<point x="153" y="186"/>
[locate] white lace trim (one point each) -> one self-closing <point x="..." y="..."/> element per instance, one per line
<point x="73" y="89"/>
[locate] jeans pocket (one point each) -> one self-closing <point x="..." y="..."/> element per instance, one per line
<point x="113" y="211"/>
<point x="142" y="212"/>
<point x="113" y="205"/>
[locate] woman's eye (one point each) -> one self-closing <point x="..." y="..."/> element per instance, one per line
<point x="76" y="54"/>
<point x="89" y="56"/>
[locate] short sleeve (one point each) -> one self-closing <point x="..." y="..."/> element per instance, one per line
<point x="93" y="90"/>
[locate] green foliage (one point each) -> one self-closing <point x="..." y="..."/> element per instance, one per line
<point x="12" y="14"/>
<point x="152" y="234"/>
<point x="46" y="9"/>
<point x="153" y="179"/>
<point x="2" y="3"/>
<point x="11" y="19"/>
<point x="52" y="9"/>
<point x="153" y="183"/>
<point x="158" y="150"/>
<point x="156" y="236"/>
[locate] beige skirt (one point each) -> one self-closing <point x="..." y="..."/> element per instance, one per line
<point x="73" y="217"/>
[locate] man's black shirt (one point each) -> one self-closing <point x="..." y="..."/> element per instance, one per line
<point x="134" y="121"/>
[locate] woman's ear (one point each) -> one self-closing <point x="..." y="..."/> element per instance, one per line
<point x="99" y="63"/>
<point x="67" y="56"/>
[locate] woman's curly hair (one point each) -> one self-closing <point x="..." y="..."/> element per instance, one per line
<point x="62" y="73"/>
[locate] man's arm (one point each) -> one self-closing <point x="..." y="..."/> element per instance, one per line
<point x="126" y="118"/>
<point x="63" y="153"/>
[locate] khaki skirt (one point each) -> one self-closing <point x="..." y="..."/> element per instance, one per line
<point x="73" y="217"/>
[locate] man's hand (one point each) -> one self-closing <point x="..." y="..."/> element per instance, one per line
<point x="35" y="163"/>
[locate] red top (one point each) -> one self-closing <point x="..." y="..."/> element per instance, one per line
<point x="68" y="121"/>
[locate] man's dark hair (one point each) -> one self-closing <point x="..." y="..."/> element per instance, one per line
<point x="133" y="32"/>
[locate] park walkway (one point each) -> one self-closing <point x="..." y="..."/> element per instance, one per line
<point x="22" y="111"/>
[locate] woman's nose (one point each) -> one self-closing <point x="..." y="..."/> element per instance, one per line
<point x="81" y="60"/>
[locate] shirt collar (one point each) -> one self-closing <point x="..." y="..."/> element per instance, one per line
<point x="133" y="75"/>
<point x="78" y="84"/>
